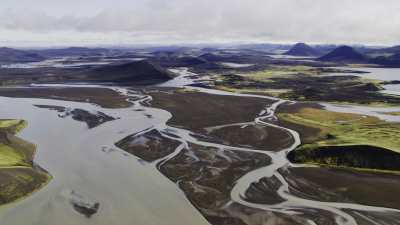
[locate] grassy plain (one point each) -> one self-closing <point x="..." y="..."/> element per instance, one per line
<point x="346" y="128"/>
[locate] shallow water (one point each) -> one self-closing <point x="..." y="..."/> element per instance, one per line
<point x="87" y="162"/>
<point x="392" y="89"/>
<point x="365" y="110"/>
<point x="293" y="205"/>
<point x="383" y="74"/>
<point x="236" y="65"/>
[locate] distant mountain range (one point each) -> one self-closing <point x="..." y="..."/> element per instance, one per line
<point x="10" y="55"/>
<point x="210" y="57"/>
<point x="302" y="49"/>
<point x="76" y="51"/>
<point x="391" y="61"/>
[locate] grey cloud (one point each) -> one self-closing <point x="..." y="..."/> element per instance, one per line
<point x="344" y="21"/>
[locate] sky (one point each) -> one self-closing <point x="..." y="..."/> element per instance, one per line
<point x="136" y="22"/>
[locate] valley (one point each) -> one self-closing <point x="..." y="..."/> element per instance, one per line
<point x="246" y="138"/>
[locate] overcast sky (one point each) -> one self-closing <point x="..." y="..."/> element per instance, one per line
<point x="130" y="22"/>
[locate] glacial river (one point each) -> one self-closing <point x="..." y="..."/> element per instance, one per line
<point x="86" y="165"/>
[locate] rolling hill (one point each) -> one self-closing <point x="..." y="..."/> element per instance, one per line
<point x="344" y="54"/>
<point x="302" y="49"/>
<point x="10" y="55"/>
<point x="140" y="72"/>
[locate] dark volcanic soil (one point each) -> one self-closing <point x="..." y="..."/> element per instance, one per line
<point x="148" y="146"/>
<point x="342" y="185"/>
<point x="92" y="119"/>
<point x="195" y="110"/>
<point x="207" y="175"/>
<point x="254" y="136"/>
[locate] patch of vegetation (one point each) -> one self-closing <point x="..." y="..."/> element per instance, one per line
<point x="357" y="156"/>
<point x="10" y="156"/>
<point x="286" y="71"/>
<point x="18" y="176"/>
<point x="392" y="113"/>
<point x="18" y="182"/>
<point x="306" y="83"/>
<point x="344" y="139"/>
<point x="196" y="110"/>
<point x="12" y="126"/>
<point x="346" y="128"/>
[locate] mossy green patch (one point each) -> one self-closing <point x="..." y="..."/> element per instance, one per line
<point x="344" y="139"/>
<point x="392" y="113"/>
<point x="9" y="156"/>
<point x="18" y="176"/>
<point x="275" y="71"/>
<point x="12" y="126"/>
<point x="16" y="183"/>
<point x="347" y="128"/>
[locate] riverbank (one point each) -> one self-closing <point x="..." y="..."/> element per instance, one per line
<point x="19" y="177"/>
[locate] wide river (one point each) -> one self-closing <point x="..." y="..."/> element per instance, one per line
<point x="85" y="162"/>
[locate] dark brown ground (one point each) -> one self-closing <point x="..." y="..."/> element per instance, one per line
<point x="92" y="120"/>
<point x="208" y="180"/>
<point x="102" y="96"/>
<point x="264" y="191"/>
<point x="328" y="184"/>
<point x="195" y="110"/>
<point x="205" y="174"/>
<point x="149" y="146"/>
<point x="254" y="136"/>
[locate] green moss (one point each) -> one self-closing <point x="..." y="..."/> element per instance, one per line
<point x="18" y="176"/>
<point x="9" y="156"/>
<point x="392" y="113"/>
<point x="338" y="129"/>
<point x="12" y="126"/>
<point x="344" y="140"/>
<point x="16" y="183"/>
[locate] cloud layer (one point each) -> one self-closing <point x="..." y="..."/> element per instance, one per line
<point x="73" y="22"/>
